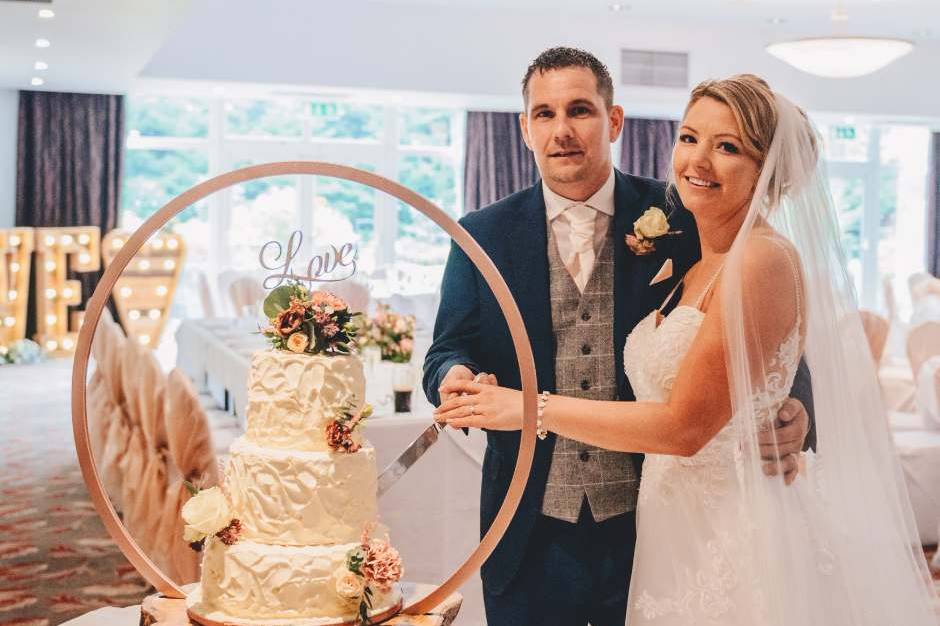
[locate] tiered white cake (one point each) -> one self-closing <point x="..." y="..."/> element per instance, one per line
<point x="302" y="505"/>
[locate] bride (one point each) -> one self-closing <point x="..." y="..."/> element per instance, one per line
<point x="717" y="542"/>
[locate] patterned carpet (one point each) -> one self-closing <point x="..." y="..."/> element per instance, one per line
<point x="56" y="560"/>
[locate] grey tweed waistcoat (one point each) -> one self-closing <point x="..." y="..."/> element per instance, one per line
<point x="584" y="368"/>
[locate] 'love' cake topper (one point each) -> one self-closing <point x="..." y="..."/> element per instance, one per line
<point x="320" y="267"/>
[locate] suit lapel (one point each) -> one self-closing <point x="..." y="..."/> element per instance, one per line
<point x="527" y="246"/>
<point x="628" y="281"/>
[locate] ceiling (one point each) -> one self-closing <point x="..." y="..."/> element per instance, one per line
<point x="103" y="45"/>
<point x="900" y="18"/>
<point x="96" y="45"/>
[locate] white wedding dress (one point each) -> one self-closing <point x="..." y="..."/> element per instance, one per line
<point x="694" y="562"/>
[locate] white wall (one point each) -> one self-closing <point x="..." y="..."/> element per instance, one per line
<point x="485" y="51"/>
<point x="9" y="99"/>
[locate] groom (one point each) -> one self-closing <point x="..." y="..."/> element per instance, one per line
<point x="567" y="556"/>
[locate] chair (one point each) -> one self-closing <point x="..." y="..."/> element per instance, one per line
<point x="191" y="452"/>
<point x="108" y="350"/>
<point x="923" y="342"/>
<point x="205" y="295"/>
<point x="245" y="293"/>
<point x="144" y="386"/>
<point x="876" y="332"/>
<point x="355" y="294"/>
<point x="891" y="304"/>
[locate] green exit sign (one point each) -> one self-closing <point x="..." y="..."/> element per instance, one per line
<point x="323" y="109"/>
<point x="845" y="132"/>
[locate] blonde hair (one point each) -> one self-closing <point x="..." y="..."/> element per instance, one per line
<point x="754" y="106"/>
<point x="752" y="103"/>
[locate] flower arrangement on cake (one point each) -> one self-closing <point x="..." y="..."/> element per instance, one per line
<point x="309" y="323"/>
<point x="372" y="566"/>
<point x="339" y="431"/>
<point x="206" y="513"/>
<point x="389" y="331"/>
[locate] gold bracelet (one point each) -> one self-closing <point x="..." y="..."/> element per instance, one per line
<point x="540" y="430"/>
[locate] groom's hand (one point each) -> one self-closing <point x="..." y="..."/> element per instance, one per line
<point x="455" y="374"/>
<point x="462" y="372"/>
<point x="781" y="447"/>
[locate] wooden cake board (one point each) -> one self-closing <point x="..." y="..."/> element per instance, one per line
<point x="157" y="610"/>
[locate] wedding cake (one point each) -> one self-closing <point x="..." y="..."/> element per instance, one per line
<point x="290" y="535"/>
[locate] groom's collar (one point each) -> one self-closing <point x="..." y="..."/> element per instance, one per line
<point x="602" y="200"/>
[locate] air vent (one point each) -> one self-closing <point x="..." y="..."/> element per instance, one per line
<point x="649" y="68"/>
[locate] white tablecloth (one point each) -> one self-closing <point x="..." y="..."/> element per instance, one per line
<point x="432" y="513"/>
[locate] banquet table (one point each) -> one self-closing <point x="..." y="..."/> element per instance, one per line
<point x="432" y="513"/>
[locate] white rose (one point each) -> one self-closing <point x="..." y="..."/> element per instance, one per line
<point x="191" y="535"/>
<point x="652" y="224"/>
<point x="207" y="512"/>
<point x="349" y="585"/>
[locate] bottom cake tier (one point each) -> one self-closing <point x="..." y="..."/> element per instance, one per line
<point x="261" y="581"/>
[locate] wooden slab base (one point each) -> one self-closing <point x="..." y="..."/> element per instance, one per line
<point x="157" y="610"/>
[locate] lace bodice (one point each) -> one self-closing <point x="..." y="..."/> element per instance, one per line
<point x="652" y="356"/>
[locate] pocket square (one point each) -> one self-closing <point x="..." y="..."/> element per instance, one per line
<point x="664" y="273"/>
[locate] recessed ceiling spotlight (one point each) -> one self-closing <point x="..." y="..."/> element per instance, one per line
<point x="617" y="7"/>
<point x="776" y="20"/>
<point x="40" y="65"/>
<point x="46" y="14"/>
<point x="36" y="81"/>
<point x="42" y="43"/>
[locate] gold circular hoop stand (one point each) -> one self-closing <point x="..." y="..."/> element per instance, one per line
<point x="483" y="263"/>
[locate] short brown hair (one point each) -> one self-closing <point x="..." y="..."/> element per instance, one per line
<point x="561" y="57"/>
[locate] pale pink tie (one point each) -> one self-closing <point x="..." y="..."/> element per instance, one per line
<point x="581" y="218"/>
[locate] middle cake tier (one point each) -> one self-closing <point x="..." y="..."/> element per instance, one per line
<point x="300" y="498"/>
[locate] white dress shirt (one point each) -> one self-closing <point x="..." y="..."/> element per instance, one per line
<point x="568" y="232"/>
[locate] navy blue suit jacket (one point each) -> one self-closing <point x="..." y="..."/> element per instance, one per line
<point x="470" y="328"/>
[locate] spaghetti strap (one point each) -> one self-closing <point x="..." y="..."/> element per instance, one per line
<point x="708" y="288"/>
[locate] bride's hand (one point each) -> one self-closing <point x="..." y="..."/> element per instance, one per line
<point x="478" y="405"/>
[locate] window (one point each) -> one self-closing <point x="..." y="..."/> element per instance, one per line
<point x="175" y="142"/>
<point x="876" y="175"/>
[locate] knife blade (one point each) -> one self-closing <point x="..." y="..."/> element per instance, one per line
<point x="406" y="459"/>
<point x="415" y="450"/>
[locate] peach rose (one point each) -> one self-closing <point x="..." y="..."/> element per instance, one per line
<point x="298" y="342"/>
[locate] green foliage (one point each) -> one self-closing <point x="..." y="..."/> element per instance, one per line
<point x="353" y="200"/>
<point x="433" y="178"/>
<point x="167" y="117"/>
<point x="154" y="177"/>
<point x="333" y="120"/>
<point x="270" y="118"/>
<point x="425" y="127"/>
<point x="355" y="559"/>
<point x="279" y="299"/>
<point x="252" y="189"/>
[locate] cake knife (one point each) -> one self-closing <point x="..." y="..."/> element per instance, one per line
<point x="406" y="459"/>
<point x="415" y="450"/>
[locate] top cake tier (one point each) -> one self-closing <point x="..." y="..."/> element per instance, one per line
<point x="292" y="397"/>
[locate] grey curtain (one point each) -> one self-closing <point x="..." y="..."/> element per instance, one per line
<point x="933" y="206"/>
<point x="497" y="163"/>
<point x="647" y="147"/>
<point x="68" y="165"/>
